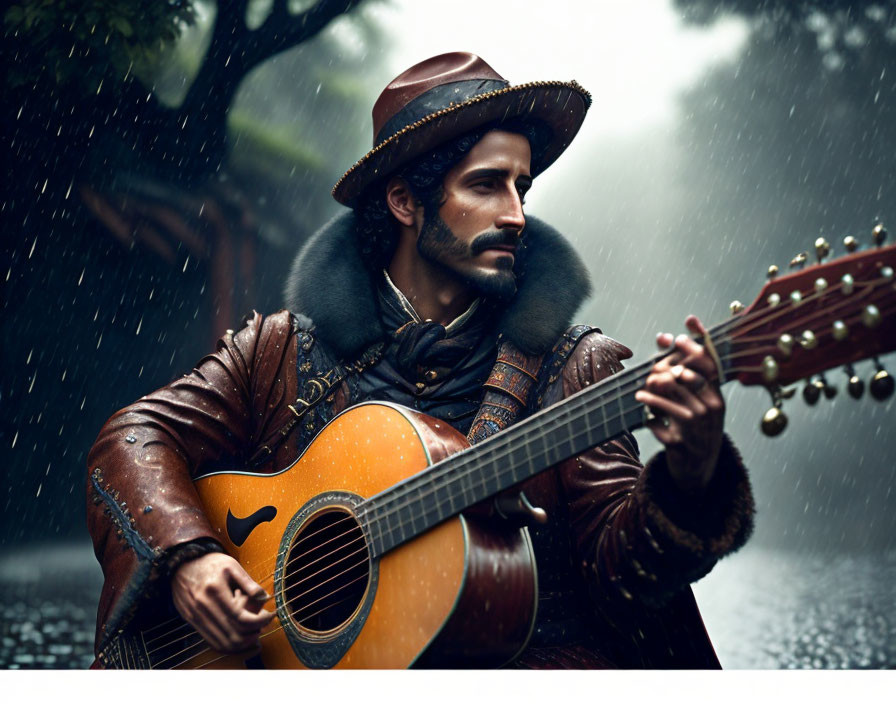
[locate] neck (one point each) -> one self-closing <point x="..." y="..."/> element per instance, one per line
<point x="436" y="293"/>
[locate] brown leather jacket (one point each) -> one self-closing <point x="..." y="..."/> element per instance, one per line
<point x="632" y="542"/>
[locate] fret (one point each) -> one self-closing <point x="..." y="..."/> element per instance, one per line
<point x="438" y="499"/>
<point x="409" y="508"/>
<point x="127" y="653"/>
<point x="429" y="505"/>
<point x="450" y="494"/>
<point x="145" y="651"/>
<point x="374" y="521"/>
<point x="390" y="522"/>
<point x="606" y="424"/>
<point x="490" y="479"/>
<point x="621" y="412"/>
<point x="570" y="434"/>
<point x="466" y="487"/>
<point x="530" y="464"/>
<point x="516" y="457"/>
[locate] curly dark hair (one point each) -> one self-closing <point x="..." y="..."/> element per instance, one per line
<point x="378" y="230"/>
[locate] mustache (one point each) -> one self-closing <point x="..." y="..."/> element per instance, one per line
<point x="495" y="238"/>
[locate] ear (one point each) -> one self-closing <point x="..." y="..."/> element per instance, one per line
<point x="401" y="202"/>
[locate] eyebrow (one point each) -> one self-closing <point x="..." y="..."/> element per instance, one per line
<point x="498" y="173"/>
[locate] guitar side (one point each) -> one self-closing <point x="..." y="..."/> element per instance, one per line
<point x="425" y="601"/>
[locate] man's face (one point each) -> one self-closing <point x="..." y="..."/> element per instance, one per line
<point x="477" y="229"/>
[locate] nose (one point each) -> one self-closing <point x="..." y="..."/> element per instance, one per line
<point x="511" y="216"/>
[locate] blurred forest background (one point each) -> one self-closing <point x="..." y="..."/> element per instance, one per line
<point x="163" y="162"/>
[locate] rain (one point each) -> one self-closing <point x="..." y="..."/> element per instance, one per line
<point x="165" y="161"/>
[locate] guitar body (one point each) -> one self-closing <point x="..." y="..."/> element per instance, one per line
<point x="461" y="594"/>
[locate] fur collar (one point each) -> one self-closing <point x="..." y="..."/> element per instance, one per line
<point x="330" y="285"/>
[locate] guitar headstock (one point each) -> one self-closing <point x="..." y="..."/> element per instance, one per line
<point x="827" y="315"/>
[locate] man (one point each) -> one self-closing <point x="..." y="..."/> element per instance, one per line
<point x="438" y="293"/>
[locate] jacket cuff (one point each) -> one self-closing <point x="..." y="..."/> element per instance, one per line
<point x="179" y="554"/>
<point x="716" y="523"/>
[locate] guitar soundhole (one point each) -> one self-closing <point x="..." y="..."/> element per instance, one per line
<point x="327" y="571"/>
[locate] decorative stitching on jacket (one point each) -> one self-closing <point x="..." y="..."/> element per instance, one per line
<point x="148" y="558"/>
<point x="556" y="359"/>
<point x="121" y="517"/>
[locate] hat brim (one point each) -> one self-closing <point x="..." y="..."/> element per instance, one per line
<point x="560" y="105"/>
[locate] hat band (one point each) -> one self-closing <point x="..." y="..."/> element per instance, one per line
<point x="436" y="99"/>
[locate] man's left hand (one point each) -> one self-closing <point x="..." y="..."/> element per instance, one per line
<point x="682" y="391"/>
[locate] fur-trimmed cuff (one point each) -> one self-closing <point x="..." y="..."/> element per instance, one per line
<point x="185" y="552"/>
<point x="717" y="523"/>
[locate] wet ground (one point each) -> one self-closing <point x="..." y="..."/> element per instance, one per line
<point x="764" y="609"/>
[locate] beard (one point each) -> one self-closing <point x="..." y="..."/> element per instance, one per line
<point x="439" y="245"/>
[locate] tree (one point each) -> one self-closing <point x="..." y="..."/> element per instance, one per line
<point x="133" y="225"/>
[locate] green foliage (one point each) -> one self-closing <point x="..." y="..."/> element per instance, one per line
<point x="82" y="47"/>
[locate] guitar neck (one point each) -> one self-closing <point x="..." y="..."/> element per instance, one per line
<point x="594" y="415"/>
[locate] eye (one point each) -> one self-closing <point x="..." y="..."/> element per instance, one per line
<point x="485" y="185"/>
<point x="522" y="190"/>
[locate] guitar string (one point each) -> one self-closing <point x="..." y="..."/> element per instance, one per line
<point x="740" y="319"/>
<point x="730" y="371"/>
<point x="279" y="554"/>
<point x="569" y="407"/>
<point x="347" y="518"/>
<point x="271" y="632"/>
<point x="263" y="580"/>
<point x="281" y="627"/>
<point x="195" y="644"/>
<point x="207" y="648"/>
<point x="275" y="557"/>
<point x="184" y="624"/>
<point x="721" y="327"/>
<point x="363" y="548"/>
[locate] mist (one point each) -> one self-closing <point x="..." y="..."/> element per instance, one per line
<point x="723" y="138"/>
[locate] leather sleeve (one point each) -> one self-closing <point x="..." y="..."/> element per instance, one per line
<point x="638" y="538"/>
<point x="141" y="501"/>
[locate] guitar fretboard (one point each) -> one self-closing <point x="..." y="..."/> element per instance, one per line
<point x="594" y="415"/>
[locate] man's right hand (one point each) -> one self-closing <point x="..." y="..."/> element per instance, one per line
<point x="216" y="596"/>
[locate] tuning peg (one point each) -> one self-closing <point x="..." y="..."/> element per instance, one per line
<point x="775" y="420"/>
<point x="736" y="307"/>
<point x="855" y="386"/>
<point x="829" y="390"/>
<point x="871" y="316"/>
<point x="822" y="249"/>
<point x="772" y="272"/>
<point x="812" y="391"/>
<point x="878" y="234"/>
<point x="881" y="386"/>
<point x="799" y="261"/>
<point x="851" y="243"/>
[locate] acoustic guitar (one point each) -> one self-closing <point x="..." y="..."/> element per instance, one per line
<point x="363" y="541"/>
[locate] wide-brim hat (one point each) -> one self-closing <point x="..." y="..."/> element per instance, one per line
<point x="451" y="94"/>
